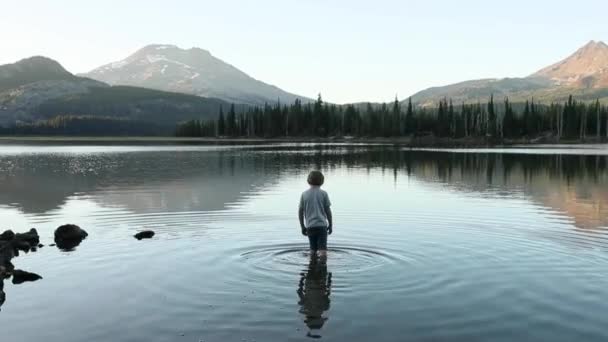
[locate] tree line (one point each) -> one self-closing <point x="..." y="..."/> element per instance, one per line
<point x="85" y="125"/>
<point x="496" y="119"/>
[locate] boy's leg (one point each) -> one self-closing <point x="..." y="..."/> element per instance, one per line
<point x="313" y="241"/>
<point x="322" y="243"/>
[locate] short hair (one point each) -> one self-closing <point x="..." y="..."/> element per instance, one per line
<point x="316" y="178"/>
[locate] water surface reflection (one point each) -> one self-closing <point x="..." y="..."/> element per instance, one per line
<point x="434" y="245"/>
<point x="214" y="180"/>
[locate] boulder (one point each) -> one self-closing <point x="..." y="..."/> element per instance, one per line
<point x="31" y="237"/>
<point x="70" y="232"/>
<point x="69" y="236"/>
<point x="146" y="234"/>
<point x="20" y="245"/>
<point x="20" y="277"/>
<point x="7" y="235"/>
<point x="2" y="294"/>
<point x="68" y="245"/>
<point x="7" y="252"/>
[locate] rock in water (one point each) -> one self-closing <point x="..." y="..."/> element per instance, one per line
<point x="7" y="252"/>
<point x="69" y="236"/>
<point x="20" y="277"/>
<point x="146" y="234"/>
<point x="31" y="237"/>
<point x="70" y="232"/>
<point x="20" y="245"/>
<point x="68" y="245"/>
<point x="2" y="294"/>
<point x="7" y="235"/>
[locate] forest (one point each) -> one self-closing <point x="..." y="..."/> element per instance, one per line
<point x="85" y="126"/>
<point x="571" y="120"/>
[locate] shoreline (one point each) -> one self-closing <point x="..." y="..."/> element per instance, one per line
<point x="414" y="142"/>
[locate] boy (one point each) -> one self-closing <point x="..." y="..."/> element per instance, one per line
<point x="315" y="215"/>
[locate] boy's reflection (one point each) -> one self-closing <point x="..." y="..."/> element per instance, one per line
<point x="314" y="291"/>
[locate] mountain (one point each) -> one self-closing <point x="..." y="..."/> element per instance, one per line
<point x="31" y="70"/>
<point x="584" y="74"/>
<point x="586" y="68"/>
<point x="194" y="71"/>
<point x="37" y="89"/>
<point x="30" y="82"/>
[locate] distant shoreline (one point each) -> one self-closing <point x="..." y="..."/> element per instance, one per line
<point x="427" y="141"/>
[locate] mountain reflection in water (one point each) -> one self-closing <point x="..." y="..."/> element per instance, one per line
<point x="574" y="185"/>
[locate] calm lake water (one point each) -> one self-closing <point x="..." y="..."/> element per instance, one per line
<point x="477" y="245"/>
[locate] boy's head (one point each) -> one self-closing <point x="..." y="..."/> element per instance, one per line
<point x="316" y="178"/>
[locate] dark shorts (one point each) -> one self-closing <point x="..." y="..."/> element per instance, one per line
<point x="317" y="236"/>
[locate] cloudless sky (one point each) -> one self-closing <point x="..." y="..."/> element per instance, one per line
<point x="348" y="50"/>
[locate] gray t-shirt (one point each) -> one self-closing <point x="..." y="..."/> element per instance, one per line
<point x="315" y="203"/>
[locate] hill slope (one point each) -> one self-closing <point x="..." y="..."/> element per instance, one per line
<point x="586" y="68"/>
<point x="38" y="89"/>
<point x="194" y="71"/>
<point x="31" y="70"/>
<point x="584" y="74"/>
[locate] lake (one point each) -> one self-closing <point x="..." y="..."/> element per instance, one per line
<point x="428" y="245"/>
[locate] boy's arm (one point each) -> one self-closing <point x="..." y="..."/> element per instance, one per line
<point x="301" y="217"/>
<point x="330" y="220"/>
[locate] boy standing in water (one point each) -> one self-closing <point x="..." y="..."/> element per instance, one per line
<point x="315" y="215"/>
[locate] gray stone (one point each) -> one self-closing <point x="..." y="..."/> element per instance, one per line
<point x="146" y="234"/>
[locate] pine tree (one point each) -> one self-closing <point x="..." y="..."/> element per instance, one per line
<point x="491" y="120"/>
<point x="452" y="119"/>
<point x="409" y="118"/>
<point x="465" y="117"/>
<point x="527" y="119"/>
<point x="598" y="120"/>
<point x="221" y="125"/>
<point x="508" y="125"/>
<point x="396" y="119"/>
<point x="231" y="128"/>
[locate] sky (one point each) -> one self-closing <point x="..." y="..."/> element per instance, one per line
<point x="347" y="50"/>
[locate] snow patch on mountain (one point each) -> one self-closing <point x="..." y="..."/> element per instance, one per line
<point x="161" y="58"/>
<point x="118" y="65"/>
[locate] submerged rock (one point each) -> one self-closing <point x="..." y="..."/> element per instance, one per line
<point x="146" y="234"/>
<point x="69" y="236"/>
<point x="68" y="245"/>
<point x="20" y="277"/>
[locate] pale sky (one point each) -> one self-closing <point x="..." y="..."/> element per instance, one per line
<point x="348" y="50"/>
